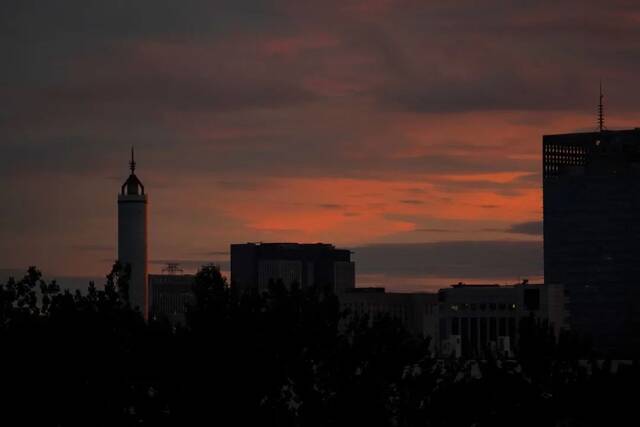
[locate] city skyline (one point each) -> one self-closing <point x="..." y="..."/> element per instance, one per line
<point x="346" y="123"/>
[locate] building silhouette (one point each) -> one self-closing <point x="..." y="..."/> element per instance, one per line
<point x="591" y="192"/>
<point x="132" y="237"/>
<point x="484" y="320"/>
<point x="254" y="265"/>
<point x="170" y="295"/>
<point x="418" y="311"/>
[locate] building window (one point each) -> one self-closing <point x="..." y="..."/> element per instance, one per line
<point x="492" y="329"/>
<point x="483" y="331"/>
<point x="532" y="299"/>
<point x="512" y="329"/>
<point x="502" y="326"/>
<point x="455" y="326"/>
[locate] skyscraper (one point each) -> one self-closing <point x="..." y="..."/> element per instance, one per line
<point x="591" y="187"/>
<point x="132" y="236"/>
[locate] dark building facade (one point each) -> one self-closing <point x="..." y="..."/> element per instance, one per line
<point x="591" y="194"/>
<point x="484" y="320"/>
<point x="170" y="295"/>
<point x="313" y="264"/>
<point x="416" y="311"/>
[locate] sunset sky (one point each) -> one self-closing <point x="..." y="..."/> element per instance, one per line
<point x="408" y="131"/>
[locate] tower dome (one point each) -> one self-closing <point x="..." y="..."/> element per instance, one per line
<point x="132" y="186"/>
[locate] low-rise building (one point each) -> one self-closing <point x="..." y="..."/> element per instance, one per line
<point x="478" y="320"/>
<point x="254" y="265"/>
<point x="416" y="311"/>
<point x="464" y="320"/>
<point x="170" y="295"/>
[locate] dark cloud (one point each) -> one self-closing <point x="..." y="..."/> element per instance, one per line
<point x="191" y="265"/>
<point x="527" y="56"/>
<point x="154" y="80"/>
<point x="468" y="163"/>
<point x="416" y="190"/>
<point x="331" y="206"/>
<point x="502" y="91"/>
<point x="533" y="228"/>
<point x="480" y="259"/>
<point x="215" y="253"/>
<point x="124" y="19"/>
<point x="239" y="185"/>
<point x="494" y="230"/>
<point x="510" y="188"/>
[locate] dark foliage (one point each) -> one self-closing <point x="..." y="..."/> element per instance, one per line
<point x="286" y="357"/>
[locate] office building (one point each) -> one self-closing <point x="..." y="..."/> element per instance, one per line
<point x="591" y="186"/>
<point x="473" y="321"/>
<point x="170" y="296"/>
<point x="254" y="265"/>
<point x="483" y="320"/>
<point x="416" y="311"/>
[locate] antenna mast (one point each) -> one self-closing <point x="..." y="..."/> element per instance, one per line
<point x="172" y="268"/>
<point x="132" y="163"/>
<point x="601" y="110"/>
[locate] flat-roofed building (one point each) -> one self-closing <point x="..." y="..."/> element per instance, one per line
<point x="416" y="311"/>
<point x="482" y="320"/>
<point x="254" y="265"/>
<point x="170" y="296"/>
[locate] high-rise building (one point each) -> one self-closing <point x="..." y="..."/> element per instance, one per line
<point x="132" y="237"/>
<point x="254" y="265"/>
<point x="591" y="187"/>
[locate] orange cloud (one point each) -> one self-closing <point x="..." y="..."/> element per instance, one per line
<point x="361" y="210"/>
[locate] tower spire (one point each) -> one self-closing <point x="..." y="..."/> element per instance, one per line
<point x="601" y="110"/>
<point x="132" y="163"/>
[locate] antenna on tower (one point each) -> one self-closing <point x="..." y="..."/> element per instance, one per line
<point x="132" y="163"/>
<point x="601" y="110"/>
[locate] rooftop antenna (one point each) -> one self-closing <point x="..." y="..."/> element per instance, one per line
<point x="601" y="110"/>
<point x="132" y="163"/>
<point x="172" y="268"/>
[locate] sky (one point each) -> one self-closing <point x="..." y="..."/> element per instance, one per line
<point x="407" y="131"/>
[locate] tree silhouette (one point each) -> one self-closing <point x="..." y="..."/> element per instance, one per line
<point x="284" y="356"/>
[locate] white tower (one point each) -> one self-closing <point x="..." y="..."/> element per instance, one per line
<point x="132" y="237"/>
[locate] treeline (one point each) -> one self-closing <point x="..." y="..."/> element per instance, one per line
<point x="285" y="357"/>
